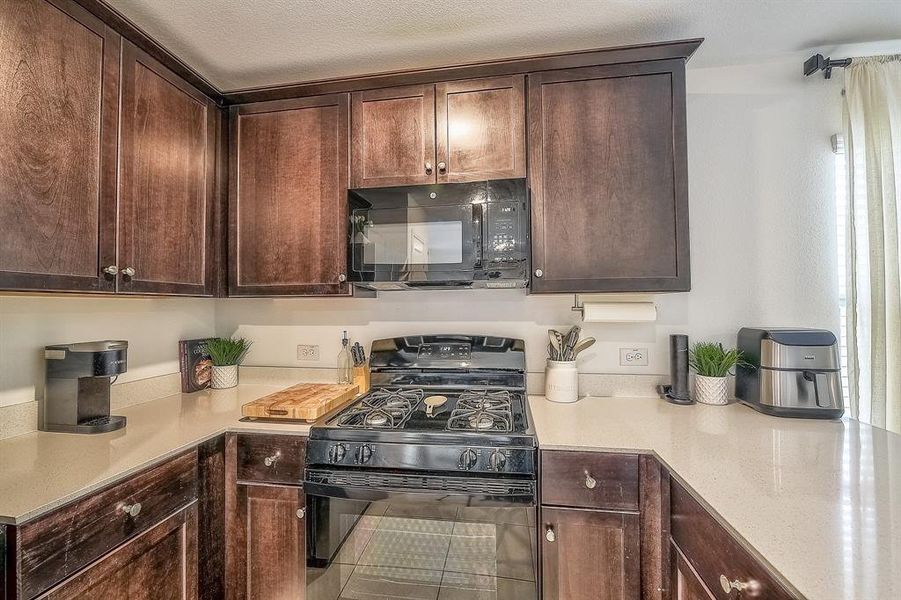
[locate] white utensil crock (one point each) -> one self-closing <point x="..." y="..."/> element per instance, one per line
<point x="224" y="377"/>
<point x="711" y="390"/>
<point x="561" y="381"/>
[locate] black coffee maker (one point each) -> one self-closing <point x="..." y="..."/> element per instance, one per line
<point x="77" y="386"/>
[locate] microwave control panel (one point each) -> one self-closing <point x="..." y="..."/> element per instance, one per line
<point x="505" y="239"/>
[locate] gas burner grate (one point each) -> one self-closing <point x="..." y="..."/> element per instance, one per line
<point x="382" y="408"/>
<point x="482" y="410"/>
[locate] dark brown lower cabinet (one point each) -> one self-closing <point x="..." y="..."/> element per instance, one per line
<point x="590" y="555"/>
<point x="686" y="583"/>
<point x="268" y="536"/>
<point x="159" y="564"/>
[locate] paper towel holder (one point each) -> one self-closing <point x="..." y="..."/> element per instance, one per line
<point x="624" y="308"/>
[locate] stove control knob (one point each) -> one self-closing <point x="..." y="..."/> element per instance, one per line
<point x="497" y="460"/>
<point x="364" y="453"/>
<point x="337" y="453"/>
<point x="468" y="459"/>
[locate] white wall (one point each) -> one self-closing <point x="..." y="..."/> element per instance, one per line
<point x="762" y="242"/>
<point x="151" y="326"/>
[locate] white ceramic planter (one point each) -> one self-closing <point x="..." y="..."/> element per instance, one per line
<point x="224" y="377"/>
<point x="711" y="390"/>
<point x="561" y="381"/>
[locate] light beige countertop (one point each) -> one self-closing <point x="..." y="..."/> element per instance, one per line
<point x="820" y="501"/>
<point x="40" y="471"/>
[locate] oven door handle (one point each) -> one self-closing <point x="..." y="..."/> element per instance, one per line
<point x="374" y="494"/>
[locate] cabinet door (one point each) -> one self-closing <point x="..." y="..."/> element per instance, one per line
<point x="589" y="555"/>
<point x="288" y="197"/>
<point x="59" y="87"/>
<point x="166" y="185"/>
<point x="607" y="158"/>
<point x="686" y="583"/>
<point x="270" y="532"/>
<point x="393" y="137"/>
<point x="159" y="564"/>
<point x="481" y="129"/>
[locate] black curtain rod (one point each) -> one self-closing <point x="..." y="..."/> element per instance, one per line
<point x="818" y="63"/>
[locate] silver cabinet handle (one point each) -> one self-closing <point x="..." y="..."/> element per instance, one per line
<point x="132" y="510"/>
<point x="428" y="168"/>
<point x="270" y="460"/>
<point x="538" y="272"/>
<point x="301" y="513"/>
<point x="751" y="587"/>
<point x="128" y="271"/>
<point x="111" y="270"/>
<point x="590" y="482"/>
<point x="442" y="167"/>
<point x="549" y="534"/>
<point x="342" y="278"/>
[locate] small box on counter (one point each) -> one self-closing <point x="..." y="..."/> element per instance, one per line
<point x="195" y="365"/>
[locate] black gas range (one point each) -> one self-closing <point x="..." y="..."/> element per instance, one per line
<point x="438" y="403"/>
<point x="437" y="463"/>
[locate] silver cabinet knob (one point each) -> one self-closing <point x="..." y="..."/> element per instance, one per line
<point x="270" y="460"/>
<point x="428" y="168"/>
<point x="132" y="510"/>
<point x="750" y="587"/>
<point x="111" y="270"/>
<point x="590" y="482"/>
<point x="549" y="534"/>
<point x="538" y="272"/>
<point x="442" y="167"/>
<point x="342" y="277"/>
<point x="301" y="513"/>
<point x="128" y="271"/>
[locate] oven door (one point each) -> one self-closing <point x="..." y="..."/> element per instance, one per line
<point x="416" y="245"/>
<point x="372" y="535"/>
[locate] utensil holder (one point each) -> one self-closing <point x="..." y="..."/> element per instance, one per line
<point x="561" y="381"/>
<point x="361" y="378"/>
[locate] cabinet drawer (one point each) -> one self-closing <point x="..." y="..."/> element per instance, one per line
<point x="271" y="458"/>
<point x="717" y="557"/>
<point x="589" y="480"/>
<point x="59" y="544"/>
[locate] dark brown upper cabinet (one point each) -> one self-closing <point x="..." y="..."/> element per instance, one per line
<point x="166" y="181"/>
<point x="608" y="176"/>
<point x="481" y="131"/>
<point x="449" y="132"/>
<point x="288" y="197"/>
<point x="393" y="137"/>
<point x="59" y="88"/>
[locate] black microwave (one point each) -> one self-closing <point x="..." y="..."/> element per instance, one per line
<point x="443" y="236"/>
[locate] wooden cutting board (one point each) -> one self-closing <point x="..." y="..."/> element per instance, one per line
<point x="305" y="401"/>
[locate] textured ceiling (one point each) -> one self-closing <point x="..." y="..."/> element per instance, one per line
<point x="238" y="44"/>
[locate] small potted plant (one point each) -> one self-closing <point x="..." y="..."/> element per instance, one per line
<point x="226" y="354"/>
<point x="712" y="363"/>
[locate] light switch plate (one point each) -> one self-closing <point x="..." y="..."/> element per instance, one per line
<point x="633" y="357"/>
<point x="307" y="352"/>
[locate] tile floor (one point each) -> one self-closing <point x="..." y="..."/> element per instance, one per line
<point x="420" y="552"/>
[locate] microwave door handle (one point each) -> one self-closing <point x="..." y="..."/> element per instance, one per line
<point x="477" y="227"/>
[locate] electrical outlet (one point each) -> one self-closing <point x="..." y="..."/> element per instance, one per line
<point x="307" y="352"/>
<point x="633" y="357"/>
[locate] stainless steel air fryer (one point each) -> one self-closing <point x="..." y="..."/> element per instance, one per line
<point x="795" y="372"/>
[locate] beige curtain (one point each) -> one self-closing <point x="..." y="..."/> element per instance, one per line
<point x="873" y="146"/>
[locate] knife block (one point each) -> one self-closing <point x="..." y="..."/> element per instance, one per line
<point x="361" y="378"/>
